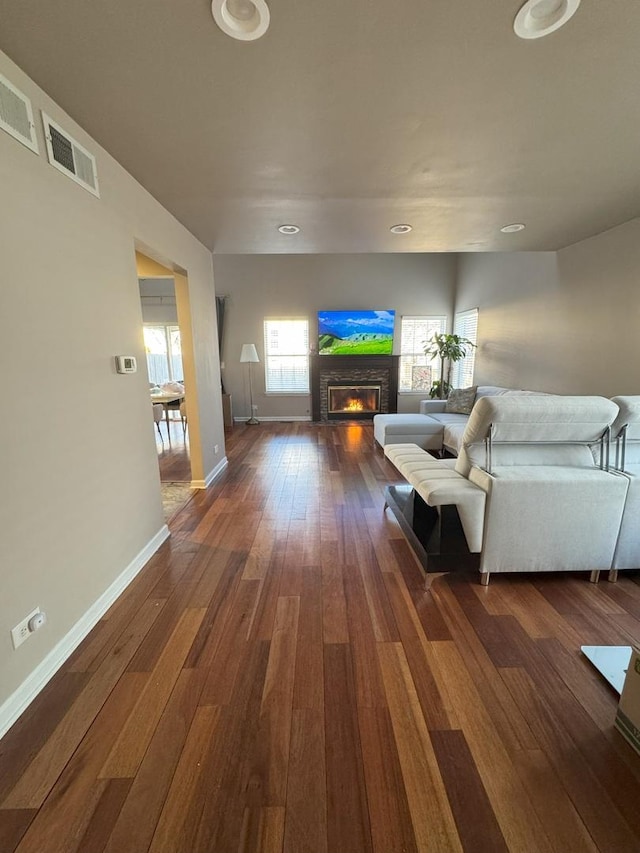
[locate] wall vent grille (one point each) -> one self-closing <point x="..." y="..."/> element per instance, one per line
<point x="69" y="157"/>
<point x="16" y="115"/>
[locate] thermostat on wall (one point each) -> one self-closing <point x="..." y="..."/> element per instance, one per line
<point x="126" y="364"/>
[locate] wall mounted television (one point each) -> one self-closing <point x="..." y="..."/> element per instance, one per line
<point x="355" y="332"/>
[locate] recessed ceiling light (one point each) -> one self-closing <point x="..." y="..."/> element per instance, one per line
<point x="511" y="229"/>
<point x="401" y="229"/>
<point x="288" y="229"/>
<point x="538" y="18"/>
<point x="245" y="20"/>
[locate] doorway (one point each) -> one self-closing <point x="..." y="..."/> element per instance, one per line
<point x="166" y="374"/>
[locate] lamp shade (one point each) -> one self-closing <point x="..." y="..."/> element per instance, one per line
<point x="249" y="353"/>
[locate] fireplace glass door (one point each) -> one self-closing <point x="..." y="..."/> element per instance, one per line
<point x="358" y="400"/>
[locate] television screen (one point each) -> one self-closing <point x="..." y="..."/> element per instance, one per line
<point x="355" y="332"/>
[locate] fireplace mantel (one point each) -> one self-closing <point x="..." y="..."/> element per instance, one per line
<point x="353" y="368"/>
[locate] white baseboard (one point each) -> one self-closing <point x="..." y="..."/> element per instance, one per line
<point x="11" y="709"/>
<point x="211" y="476"/>
<point x="281" y="419"/>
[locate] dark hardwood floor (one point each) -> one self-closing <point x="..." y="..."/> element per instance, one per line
<point x="277" y="679"/>
<point x="173" y="453"/>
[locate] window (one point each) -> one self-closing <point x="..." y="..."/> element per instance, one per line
<point x="164" y="353"/>
<point x="286" y="362"/>
<point x="465" y="325"/>
<point x="417" y="371"/>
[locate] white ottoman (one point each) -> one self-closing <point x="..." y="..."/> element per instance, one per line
<point x="408" y="429"/>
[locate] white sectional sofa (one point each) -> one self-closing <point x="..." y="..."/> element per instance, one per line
<point x="434" y="427"/>
<point x="625" y="433"/>
<point x="529" y="491"/>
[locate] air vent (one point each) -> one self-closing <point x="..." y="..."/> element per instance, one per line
<point x="70" y="157"/>
<point x="16" y="115"/>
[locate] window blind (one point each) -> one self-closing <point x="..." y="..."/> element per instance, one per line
<point x="466" y="325"/>
<point x="286" y="347"/>
<point x="417" y="371"/>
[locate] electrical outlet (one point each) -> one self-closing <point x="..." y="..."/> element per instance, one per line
<point x="255" y="408"/>
<point x="22" y="631"/>
<point x="216" y="448"/>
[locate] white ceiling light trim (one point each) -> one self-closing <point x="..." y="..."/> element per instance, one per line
<point x="513" y="228"/>
<point x="288" y="229"/>
<point x="245" y="20"/>
<point x="538" y="18"/>
<point x="401" y="229"/>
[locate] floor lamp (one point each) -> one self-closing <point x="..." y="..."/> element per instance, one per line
<point x="250" y="354"/>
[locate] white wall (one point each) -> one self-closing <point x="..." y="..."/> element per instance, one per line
<point x="564" y="322"/>
<point x="272" y="286"/>
<point x="80" y="492"/>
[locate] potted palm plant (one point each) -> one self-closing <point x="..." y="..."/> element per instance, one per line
<point x="449" y="349"/>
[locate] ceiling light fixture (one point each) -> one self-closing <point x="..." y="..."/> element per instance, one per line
<point x="288" y="229"/>
<point x="401" y="229"/>
<point x="513" y="228"/>
<point x="245" y="20"/>
<point x="538" y="18"/>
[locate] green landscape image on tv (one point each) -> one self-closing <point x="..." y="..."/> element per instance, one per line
<point x="355" y="332"/>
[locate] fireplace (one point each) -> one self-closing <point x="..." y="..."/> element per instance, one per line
<point x="352" y="401"/>
<point x="375" y="377"/>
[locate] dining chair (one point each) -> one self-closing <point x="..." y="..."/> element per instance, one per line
<point x="158" y="415"/>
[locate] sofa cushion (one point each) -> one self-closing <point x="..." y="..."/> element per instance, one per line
<point x="534" y="430"/>
<point x="537" y="419"/>
<point x="401" y="454"/>
<point x="628" y="415"/>
<point x="407" y="428"/>
<point x="438" y="484"/>
<point x="499" y="391"/>
<point x="428" y="407"/>
<point x="404" y="424"/>
<point x="491" y="391"/>
<point x="461" y="400"/>
<point x="452" y="437"/>
<point x="449" y="418"/>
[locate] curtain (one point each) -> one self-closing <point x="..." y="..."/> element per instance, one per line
<point x="220" y="306"/>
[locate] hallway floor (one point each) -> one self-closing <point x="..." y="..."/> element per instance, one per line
<point x="277" y="679"/>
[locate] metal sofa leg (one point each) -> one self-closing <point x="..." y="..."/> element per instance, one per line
<point x="594" y="577"/>
<point x="484" y="578"/>
<point x="613" y="575"/>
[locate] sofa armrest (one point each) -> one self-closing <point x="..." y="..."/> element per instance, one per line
<point x="429" y="406"/>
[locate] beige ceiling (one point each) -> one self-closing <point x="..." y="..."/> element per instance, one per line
<point x="350" y="116"/>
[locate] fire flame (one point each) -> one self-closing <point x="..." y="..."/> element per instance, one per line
<point x="354" y="406"/>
